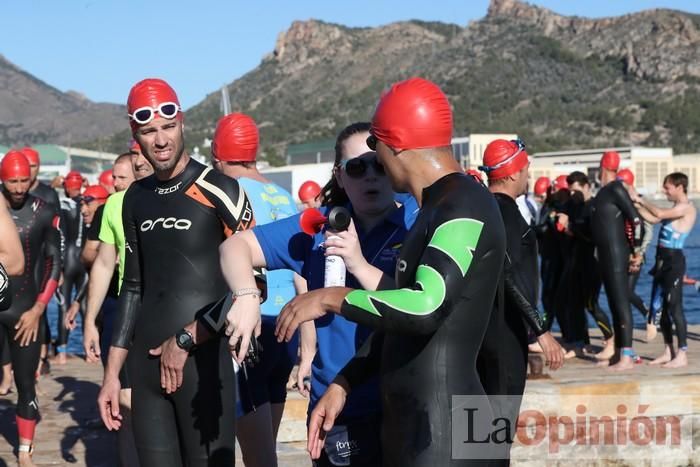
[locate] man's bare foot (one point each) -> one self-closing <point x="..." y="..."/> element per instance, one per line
<point x="651" y="332"/>
<point x="663" y="358"/>
<point x="626" y="363"/>
<point x="535" y="347"/>
<point x="607" y="352"/>
<point x="59" y="359"/>
<point x="679" y="361"/>
<point x="25" y="459"/>
<point x="603" y="363"/>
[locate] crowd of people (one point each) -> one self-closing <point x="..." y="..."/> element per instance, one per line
<point x="201" y="287"/>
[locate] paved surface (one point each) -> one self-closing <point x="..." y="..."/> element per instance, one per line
<point x="70" y="432"/>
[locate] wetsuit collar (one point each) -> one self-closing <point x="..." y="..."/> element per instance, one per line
<point x="437" y="185"/>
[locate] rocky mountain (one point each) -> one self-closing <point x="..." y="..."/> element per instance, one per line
<point x="560" y="82"/>
<point x="32" y="111"/>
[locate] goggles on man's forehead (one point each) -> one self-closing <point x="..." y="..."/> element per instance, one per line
<point x="144" y="115"/>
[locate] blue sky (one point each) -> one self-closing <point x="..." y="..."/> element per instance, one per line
<point x="101" y="47"/>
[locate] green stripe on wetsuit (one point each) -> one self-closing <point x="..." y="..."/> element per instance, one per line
<point x="456" y="238"/>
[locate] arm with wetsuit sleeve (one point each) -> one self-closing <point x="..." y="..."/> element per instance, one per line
<point x="515" y="296"/>
<point x="439" y="283"/>
<point x="130" y="292"/>
<point x="52" y="252"/>
<point x="625" y="205"/>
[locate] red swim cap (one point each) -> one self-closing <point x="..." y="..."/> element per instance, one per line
<point x="308" y="191"/>
<point x="134" y="146"/>
<point x="476" y="174"/>
<point x="413" y="114"/>
<point x="236" y="139"/>
<point x="95" y="193"/>
<point x="610" y="160"/>
<point x="73" y="179"/>
<point x="14" y="165"/>
<point x="150" y="92"/>
<point x="541" y="186"/>
<point x="32" y="155"/>
<point x="503" y="158"/>
<point x="626" y="176"/>
<point x="106" y="178"/>
<point x="560" y="183"/>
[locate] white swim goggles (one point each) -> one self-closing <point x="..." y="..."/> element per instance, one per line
<point x="144" y="115"/>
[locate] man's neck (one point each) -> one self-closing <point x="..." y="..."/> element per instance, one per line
<point x="34" y="184"/>
<point x="428" y="170"/>
<point x="252" y="173"/>
<point x="505" y="189"/>
<point x="166" y="175"/>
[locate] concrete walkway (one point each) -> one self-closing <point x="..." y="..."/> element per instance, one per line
<point x="71" y="433"/>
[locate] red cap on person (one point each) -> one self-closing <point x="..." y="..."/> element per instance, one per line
<point x="475" y="174"/>
<point x="134" y="146"/>
<point x="541" y="186"/>
<point x="309" y="191"/>
<point x="150" y="92"/>
<point x="236" y="139"/>
<point x="73" y="179"/>
<point x="626" y="176"/>
<point x="503" y="158"/>
<point x="106" y="178"/>
<point x="560" y="183"/>
<point x="610" y="160"/>
<point x="413" y="114"/>
<point x="32" y="155"/>
<point x="95" y="193"/>
<point x="14" y="164"/>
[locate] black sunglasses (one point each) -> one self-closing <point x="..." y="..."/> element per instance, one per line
<point x="357" y="167"/>
<point x="372" y="142"/>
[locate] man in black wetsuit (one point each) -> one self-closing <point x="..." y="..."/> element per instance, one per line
<point x="36" y="223"/>
<point x="502" y="362"/>
<point x="585" y="269"/>
<point x="182" y="403"/>
<point x="50" y="196"/>
<point x="616" y="251"/>
<point x="75" y="276"/>
<point x="430" y="328"/>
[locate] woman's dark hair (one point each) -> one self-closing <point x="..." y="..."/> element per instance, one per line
<point x="332" y="194"/>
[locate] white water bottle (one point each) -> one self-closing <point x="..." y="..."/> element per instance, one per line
<point x="334" y="273"/>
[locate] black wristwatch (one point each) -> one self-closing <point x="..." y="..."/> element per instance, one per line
<point x="184" y="340"/>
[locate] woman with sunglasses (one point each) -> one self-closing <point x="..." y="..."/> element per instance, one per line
<point x="358" y="183"/>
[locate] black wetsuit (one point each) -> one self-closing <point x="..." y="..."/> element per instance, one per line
<point x="502" y="362"/>
<point x="49" y="195"/>
<point x="586" y="272"/>
<point x="447" y="276"/>
<point x="75" y="276"/>
<point x="611" y="207"/>
<point x="46" y="193"/>
<point x="171" y="275"/>
<point x="36" y="223"/>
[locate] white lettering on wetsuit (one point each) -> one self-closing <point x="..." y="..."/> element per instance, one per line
<point x="170" y="189"/>
<point x="166" y="223"/>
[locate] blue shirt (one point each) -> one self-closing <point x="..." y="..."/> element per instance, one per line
<point x="286" y="246"/>
<point x="271" y="203"/>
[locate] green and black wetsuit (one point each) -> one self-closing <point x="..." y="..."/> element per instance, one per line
<point x="433" y="324"/>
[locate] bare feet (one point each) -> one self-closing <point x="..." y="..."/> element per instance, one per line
<point x="607" y="352"/>
<point x="59" y="359"/>
<point x="626" y="363"/>
<point x="679" y="361"/>
<point x="663" y="358"/>
<point x="535" y="347"/>
<point x="651" y="332"/>
<point x="25" y="459"/>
